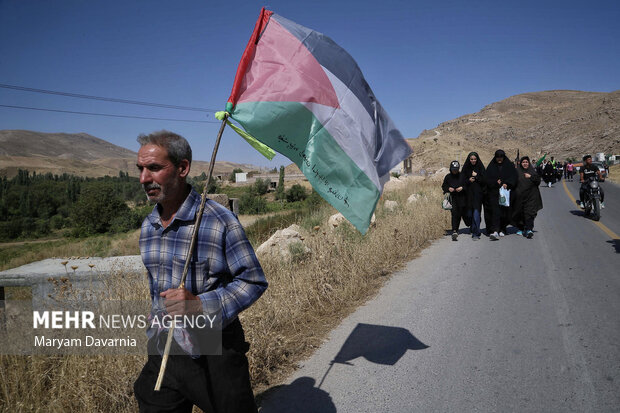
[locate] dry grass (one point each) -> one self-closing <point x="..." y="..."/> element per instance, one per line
<point x="69" y="383"/>
<point x="74" y="383"/>
<point x="306" y="298"/>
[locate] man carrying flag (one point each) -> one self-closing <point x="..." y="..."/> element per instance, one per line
<point x="296" y="92"/>
<point x="225" y="277"/>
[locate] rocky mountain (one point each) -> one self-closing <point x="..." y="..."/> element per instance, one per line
<point x="78" y="154"/>
<point x="563" y="123"/>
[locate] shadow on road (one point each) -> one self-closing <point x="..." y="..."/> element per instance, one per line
<point x="300" y="397"/>
<point x="616" y="244"/>
<point x="377" y="344"/>
<point x="578" y="213"/>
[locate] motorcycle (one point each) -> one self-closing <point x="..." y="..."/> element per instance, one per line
<point x="592" y="199"/>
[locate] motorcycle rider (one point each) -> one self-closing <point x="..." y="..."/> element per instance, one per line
<point x="585" y="173"/>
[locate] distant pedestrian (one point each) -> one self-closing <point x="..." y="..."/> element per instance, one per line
<point x="570" y="171"/>
<point x="473" y="173"/>
<point x="527" y="199"/>
<point x="499" y="174"/>
<point x="549" y="174"/>
<point x="539" y="168"/>
<point x="453" y="185"/>
<point x="559" y="171"/>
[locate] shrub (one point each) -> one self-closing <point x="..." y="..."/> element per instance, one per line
<point x="252" y="204"/>
<point x="57" y="221"/>
<point x="261" y="186"/>
<point x="296" y="193"/>
<point x="213" y="187"/>
<point x="42" y="226"/>
<point x="10" y="229"/>
<point x="28" y="226"/>
<point x="315" y="200"/>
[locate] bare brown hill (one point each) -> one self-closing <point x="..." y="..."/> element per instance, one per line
<point x="78" y="154"/>
<point x="563" y="123"/>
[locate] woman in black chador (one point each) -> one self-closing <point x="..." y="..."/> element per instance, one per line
<point x="527" y="200"/>
<point x="549" y="174"/>
<point x="473" y="174"/>
<point x="453" y="185"/>
<point x="499" y="173"/>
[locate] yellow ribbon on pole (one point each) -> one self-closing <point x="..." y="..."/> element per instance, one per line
<point x="265" y="150"/>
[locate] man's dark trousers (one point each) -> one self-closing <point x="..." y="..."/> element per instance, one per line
<point x="214" y="383"/>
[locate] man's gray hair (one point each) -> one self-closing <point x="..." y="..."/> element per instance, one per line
<point x="177" y="146"/>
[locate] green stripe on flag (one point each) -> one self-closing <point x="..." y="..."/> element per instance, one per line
<point x="265" y="150"/>
<point x="291" y="129"/>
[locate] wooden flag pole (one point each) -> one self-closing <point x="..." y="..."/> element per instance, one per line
<point x="203" y="201"/>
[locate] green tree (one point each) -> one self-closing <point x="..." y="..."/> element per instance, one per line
<point x="95" y="210"/>
<point x="280" y="187"/>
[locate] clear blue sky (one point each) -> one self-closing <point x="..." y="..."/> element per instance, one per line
<point x="427" y="61"/>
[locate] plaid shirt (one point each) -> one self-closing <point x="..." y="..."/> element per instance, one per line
<point x="224" y="271"/>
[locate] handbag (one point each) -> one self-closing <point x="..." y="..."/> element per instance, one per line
<point x="447" y="201"/>
<point x="504" y="197"/>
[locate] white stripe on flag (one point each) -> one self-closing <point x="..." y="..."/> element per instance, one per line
<point x="351" y="127"/>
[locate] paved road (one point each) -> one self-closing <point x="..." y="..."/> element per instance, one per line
<point x="505" y="326"/>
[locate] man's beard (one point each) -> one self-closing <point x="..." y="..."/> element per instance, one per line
<point x="158" y="198"/>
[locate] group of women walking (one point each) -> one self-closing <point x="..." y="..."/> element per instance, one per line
<point x="505" y="193"/>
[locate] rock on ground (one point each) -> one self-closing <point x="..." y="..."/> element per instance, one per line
<point x="439" y="174"/>
<point x="413" y="198"/>
<point x="393" y="183"/>
<point x="279" y="243"/>
<point x="390" y="205"/>
<point x="338" y="219"/>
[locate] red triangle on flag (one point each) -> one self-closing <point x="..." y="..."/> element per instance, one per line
<point x="284" y="70"/>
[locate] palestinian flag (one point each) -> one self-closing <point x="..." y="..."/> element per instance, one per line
<point x="301" y="94"/>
